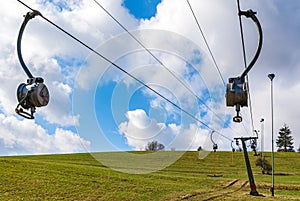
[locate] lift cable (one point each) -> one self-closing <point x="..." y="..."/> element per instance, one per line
<point x="163" y="65"/>
<point x="209" y="49"/>
<point x="121" y="69"/>
<point x="142" y="45"/>
<point x="245" y="62"/>
<point x="242" y="34"/>
<point x="206" y="43"/>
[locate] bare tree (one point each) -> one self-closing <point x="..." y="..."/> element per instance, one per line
<point x="154" y="146"/>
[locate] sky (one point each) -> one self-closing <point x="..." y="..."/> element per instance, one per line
<point x="94" y="106"/>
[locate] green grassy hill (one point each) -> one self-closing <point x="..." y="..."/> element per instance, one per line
<point x="81" y="177"/>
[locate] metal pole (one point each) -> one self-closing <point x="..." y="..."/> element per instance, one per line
<point x="262" y="146"/>
<point x="250" y="174"/>
<point x="215" y="162"/>
<point x="271" y="76"/>
<point x="248" y="165"/>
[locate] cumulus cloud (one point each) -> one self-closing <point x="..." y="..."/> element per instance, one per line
<point x="139" y="131"/>
<point x="26" y="137"/>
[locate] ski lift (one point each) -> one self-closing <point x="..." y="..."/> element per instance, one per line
<point x="254" y="143"/>
<point x="237" y="88"/>
<point x="34" y="93"/>
<point x="215" y="147"/>
<point x="232" y="148"/>
<point x="237" y="92"/>
<point x="237" y="142"/>
<point x="30" y="95"/>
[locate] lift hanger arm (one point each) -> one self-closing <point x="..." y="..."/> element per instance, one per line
<point x="28" y="17"/>
<point x="34" y="93"/>
<point x="251" y="14"/>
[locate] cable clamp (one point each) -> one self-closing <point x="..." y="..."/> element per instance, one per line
<point x="31" y="15"/>
<point x="248" y="13"/>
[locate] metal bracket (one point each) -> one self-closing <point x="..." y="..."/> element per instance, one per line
<point x="251" y="14"/>
<point x="28" y="16"/>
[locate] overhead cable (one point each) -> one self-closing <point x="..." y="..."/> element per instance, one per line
<point x="245" y="64"/>
<point x="163" y="65"/>
<point x="121" y="69"/>
<point x="207" y="45"/>
<point x="209" y="49"/>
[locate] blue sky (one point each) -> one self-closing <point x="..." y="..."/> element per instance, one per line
<point x="95" y="107"/>
<point x="144" y="9"/>
<point x="123" y="106"/>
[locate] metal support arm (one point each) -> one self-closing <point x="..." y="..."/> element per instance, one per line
<point x="215" y="146"/>
<point x="28" y="17"/>
<point x="251" y="14"/>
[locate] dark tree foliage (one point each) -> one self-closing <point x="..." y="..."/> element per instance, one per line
<point x="154" y="146"/>
<point x="285" y="139"/>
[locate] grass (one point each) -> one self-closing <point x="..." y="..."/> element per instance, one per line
<point x="81" y="177"/>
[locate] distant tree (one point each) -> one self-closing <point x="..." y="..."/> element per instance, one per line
<point x="299" y="149"/>
<point x="285" y="139"/>
<point x="154" y="146"/>
<point x="199" y="148"/>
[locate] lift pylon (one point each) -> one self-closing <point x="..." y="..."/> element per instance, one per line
<point x="248" y="165"/>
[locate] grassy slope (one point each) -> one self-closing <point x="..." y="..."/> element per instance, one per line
<point x="80" y="177"/>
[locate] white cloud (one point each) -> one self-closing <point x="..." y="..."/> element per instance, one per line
<point x="140" y="119"/>
<point x="139" y="132"/>
<point x="59" y="107"/>
<point x="26" y="137"/>
<point x="139" y="129"/>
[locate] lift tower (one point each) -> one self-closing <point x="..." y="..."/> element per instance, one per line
<point x="248" y="165"/>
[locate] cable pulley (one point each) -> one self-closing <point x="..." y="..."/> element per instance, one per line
<point x="237" y="88"/>
<point x="34" y="92"/>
